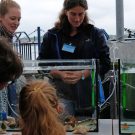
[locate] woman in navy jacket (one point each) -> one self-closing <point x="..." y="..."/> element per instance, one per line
<point x="74" y="38"/>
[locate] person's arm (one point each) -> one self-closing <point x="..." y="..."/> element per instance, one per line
<point x="56" y="73"/>
<point x="85" y="74"/>
<point x="70" y="77"/>
<point x="104" y="53"/>
<point x="45" y="49"/>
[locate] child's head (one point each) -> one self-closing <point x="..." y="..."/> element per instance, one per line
<point x="11" y="66"/>
<point x="35" y="96"/>
<point x="38" y="104"/>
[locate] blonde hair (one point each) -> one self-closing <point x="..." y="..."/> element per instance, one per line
<point x="6" y="4"/>
<point x="37" y="105"/>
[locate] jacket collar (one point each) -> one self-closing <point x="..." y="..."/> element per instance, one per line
<point x="4" y="32"/>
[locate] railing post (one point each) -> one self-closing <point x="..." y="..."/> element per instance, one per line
<point x="39" y="40"/>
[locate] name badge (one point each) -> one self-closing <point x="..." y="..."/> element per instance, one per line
<point x="68" y="48"/>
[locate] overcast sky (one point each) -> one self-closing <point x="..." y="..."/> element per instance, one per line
<point x="44" y="13"/>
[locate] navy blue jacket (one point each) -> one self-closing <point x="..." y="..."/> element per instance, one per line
<point x="90" y="43"/>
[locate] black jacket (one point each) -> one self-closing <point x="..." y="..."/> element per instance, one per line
<point x="90" y="43"/>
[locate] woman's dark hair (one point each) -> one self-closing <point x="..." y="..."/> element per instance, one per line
<point x="11" y="66"/>
<point x="63" y="20"/>
<point x="68" y="4"/>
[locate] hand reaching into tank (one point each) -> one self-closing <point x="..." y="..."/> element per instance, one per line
<point x="70" y="77"/>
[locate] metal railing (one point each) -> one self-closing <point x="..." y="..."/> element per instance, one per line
<point x="26" y="50"/>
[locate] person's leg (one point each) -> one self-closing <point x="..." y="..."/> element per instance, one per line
<point x="3" y="100"/>
<point x="12" y="99"/>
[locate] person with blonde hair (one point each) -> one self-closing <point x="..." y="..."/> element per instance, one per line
<point x="38" y="105"/>
<point x="10" y="16"/>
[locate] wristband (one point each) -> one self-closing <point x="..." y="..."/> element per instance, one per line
<point x="83" y="77"/>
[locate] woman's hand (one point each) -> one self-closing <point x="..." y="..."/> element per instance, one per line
<point x="69" y="77"/>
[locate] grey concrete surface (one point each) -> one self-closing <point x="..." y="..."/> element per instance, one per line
<point x="124" y="50"/>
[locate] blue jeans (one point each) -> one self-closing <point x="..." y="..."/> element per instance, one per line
<point x="12" y="97"/>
